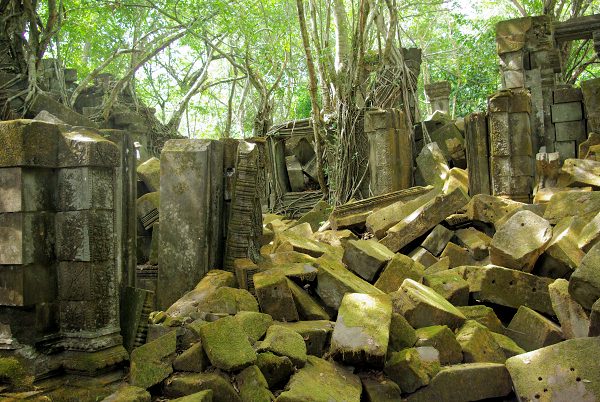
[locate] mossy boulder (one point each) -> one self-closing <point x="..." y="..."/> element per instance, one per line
<point x="316" y="334"/>
<point x="202" y="396"/>
<point x="151" y="363"/>
<point x="441" y="338"/>
<point x="226" y="300"/>
<point x="226" y="344"/>
<point x="184" y="384"/>
<point x="378" y="389"/>
<point x="13" y="372"/>
<point x="253" y="386"/>
<point x="478" y="344"/>
<point x="254" y="324"/>
<point x="284" y="342"/>
<point x="149" y="173"/>
<point x="128" y="393"/>
<point x="276" y="369"/>
<point x="193" y="359"/>
<point x="413" y="368"/>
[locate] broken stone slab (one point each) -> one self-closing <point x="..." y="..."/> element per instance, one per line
<point x="543" y="195"/>
<point x="413" y="368"/>
<point x="295" y="173"/>
<point x="573" y="319"/>
<point x="478" y="344"/>
<point x="380" y="390"/>
<point x="402" y="334"/>
<point x="564" y="371"/>
<point x="128" y="393"/>
<point x="580" y="172"/>
<point x="423" y="219"/>
<point x="511" y="288"/>
<point x="520" y="241"/>
<point x="335" y="238"/>
<point x="366" y="257"/>
<point x="316" y="334"/>
<point x="423" y="307"/>
<point x="226" y="344"/>
<point x="475" y="241"/>
<point x="584" y="284"/>
<point x="437" y="239"/>
<point x="584" y="147"/>
<point x="397" y="270"/>
<point x="276" y="369"/>
<point x="531" y="330"/>
<point x="423" y="256"/>
<point x="151" y="363"/>
<point x="441" y="338"/>
<point x="274" y="296"/>
<point x="184" y="384"/>
<point x="361" y="332"/>
<point x="253" y="386"/>
<point x="316" y="216"/>
<point x="449" y="285"/>
<point x="307" y="307"/>
<point x="432" y="165"/>
<point x="484" y="315"/>
<point x="583" y="204"/>
<point x="149" y="172"/>
<point x="322" y="381"/>
<point x="443" y="264"/>
<point x="457" y="178"/>
<point x="595" y="319"/>
<point x="334" y="280"/>
<point x="283" y="341"/>
<point x="466" y="382"/>
<point x="193" y="359"/>
<point x="489" y="209"/>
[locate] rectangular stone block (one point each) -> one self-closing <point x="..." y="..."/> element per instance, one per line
<point x="86" y="147"/>
<point x="26" y="285"/>
<point x="78" y="317"/>
<point x="567" y="94"/>
<point x="476" y="135"/>
<point x="84" y="235"/>
<point x="513" y="79"/>
<point x="26" y="238"/>
<point x="28" y="143"/>
<point x="571" y="131"/>
<point x="79" y="281"/>
<point x="27" y="189"/>
<point x="520" y="134"/>
<point x="591" y="95"/>
<point x="499" y="134"/>
<point x="571" y="111"/>
<point x="512" y="61"/>
<point x="566" y="149"/>
<point x="85" y="188"/>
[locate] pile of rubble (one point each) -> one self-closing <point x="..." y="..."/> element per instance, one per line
<point x="424" y="294"/>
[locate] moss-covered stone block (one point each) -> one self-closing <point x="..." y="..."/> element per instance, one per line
<point x="194" y="359"/>
<point x="450" y="285"/>
<point x="151" y="363"/>
<point x="254" y="324"/>
<point x="584" y="284"/>
<point x="478" y="344"/>
<point x="202" y="396"/>
<point x="253" y="386"/>
<point x="397" y="270"/>
<point x="484" y="315"/>
<point x="377" y="389"/>
<point x="276" y="369"/>
<point x="441" y="338"/>
<point x="28" y="143"/>
<point x="402" y="334"/>
<point x="413" y="368"/>
<point x="307" y="307"/>
<point x="149" y="173"/>
<point x="508" y="346"/>
<point x="226" y="344"/>
<point x="128" y="393"/>
<point x="227" y="300"/>
<point x="184" y="384"/>
<point x="531" y="330"/>
<point x="274" y="296"/>
<point x="366" y="257"/>
<point x="284" y="341"/>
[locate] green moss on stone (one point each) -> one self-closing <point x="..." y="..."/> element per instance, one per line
<point x="276" y="369"/>
<point x="253" y="386"/>
<point x="254" y="324"/>
<point x="227" y="345"/>
<point x="285" y="342"/>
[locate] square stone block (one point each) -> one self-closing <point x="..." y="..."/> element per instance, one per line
<point x="84" y="235"/>
<point x="570" y="111"/>
<point x="26" y="285"/>
<point x="567" y="94"/>
<point x="86" y="147"/>
<point x="513" y="79"/>
<point x="85" y="188"/>
<point x="26" y="238"/>
<point x="28" y="143"/>
<point x="27" y="189"/>
<point x="78" y="281"/>
<point x="571" y="131"/>
<point x="567" y="149"/>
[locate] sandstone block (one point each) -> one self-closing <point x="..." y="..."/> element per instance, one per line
<point x="475" y="241"/>
<point x="29" y="143"/>
<point x="184" y="384"/>
<point x="437" y="239"/>
<point x="193" y="359"/>
<point x="478" y="344"/>
<point x="283" y="341"/>
<point x="316" y="334"/>
<point x="484" y="315"/>
<point x="27" y="189"/>
<point x="423" y="257"/>
<point x="149" y="172"/>
<point x="413" y="368"/>
<point x="274" y="296"/>
<point x="402" y="334"/>
<point x="595" y="319"/>
<point x="489" y="209"/>
<point x="449" y="285"/>
<point x="84" y="235"/>
<point x="366" y="257"/>
<point x="227" y="345"/>
<point x="276" y="369"/>
<point x="253" y="386"/>
<point x="441" y="338"/>
<point x="397" y="270"/>
<point x="432" y="165"/>
<point x="583" y="204"/>
<point x="573" y="319"/>
<point x="531" y="330"/>
<point x="26" y="238"/>
<point x="152" y="362"/>
<point x="584" y="284"/>
<point x="380" y="389"/>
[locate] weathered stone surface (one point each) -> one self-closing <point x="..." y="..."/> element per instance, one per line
<point x="423" y="307"/>
<point x="437" y="239"/>
<point x="80" y="146"/>
<point x="565" y="371"/>
<point x="595" y="319"/>
<point x="84" y="235"/>
<point x="449" y="285"/>
<point x="413" y="368"/>
<point x="432" y="165"/>
<point x="512" y="288"/>
<point x="562" y="256"/>
<point x="478" y="344"/>
<point x="441" y="338"/>
<point x="402" y="334"/>
<point x="274" y="296"/>
<point x="362" y="329"/>
<point x="508" y="346"/>
<point x="489" y="209"/>
<point x="193" y="359"/>
<point x="183" y="384"/>
<point x="424" y="219"/>
<point x="380" y="390"/>
<point x="484" y="315"/>
<point x="423" y="256"/>
<point x="227" y="345"/>
<point x="202" y="396"/>
<point x="579" y="172"/>
<point x="27" y="189"/>
<point x="284" y="341"/>
<point x="322" y="381"/>
<point x="276" y="369"/>
<point x="476" y="135"/>
<point x="27" y="285"/>
<point x="29" y="143"/>
<point x="307" y="307"/>
<point x="253" y="386"/>
<point x="334" y="281"/>
<point x="335" y="238"/>
<point x="316" y="334"/>
<point x="584" y="284"/>
<point x="531" y="330"/>
<point x="149" y="172"/>
<point x="287" y="241"/>
<point x="466" y="382"/>
<point x="457" y="256"/>
<point x="366" y="257"/>
<point x="317" y="215"/>
<point x="520" y="241"/>
<point x="475" y="241"/>
<point x="573" y="319"/>
<point x="397" y="270"/>
<point x="443" y="264"/>
<point x="226" y="300"/>
<point x="254" y="324"/>
<point x="583" y="204"/>
<point x="128" y="393"/>
<point x="590" y="234"/>
<point x="152" y="362"/>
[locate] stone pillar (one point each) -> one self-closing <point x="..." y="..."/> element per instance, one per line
<point x="510" y="144"/>
<point x="438" y="94"/>
<point x="591" y="99"/>
<point x="191" y="202"/>
<point x="245" y="220"/>
<point x="390" y="150"/>
<point x="569" y="121"/>
<point x="476" y="133"/>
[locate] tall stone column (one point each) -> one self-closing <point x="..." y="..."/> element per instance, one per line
<point x="476" y="133"/>
<point x="191" y="202"/>
<point x="438" y="94"/>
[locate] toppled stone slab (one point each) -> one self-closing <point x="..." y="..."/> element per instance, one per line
<point x="511" y="288"/>
<point x="580" y="172"/>
<point x="478" y="344"/>
<point x="184" y="384"/>
<point x="253" y="386"/>
<point x="441" y="338"/>
<point x="437" y="239"/>
<point x="573" y="319"/>
<point x="361" y="332"/>
<point x="432" y="165"/>
<point x="531" y="330"/>
<point x="284" y="341"/>
<point x="397" y="270"/>
<point x="307" y="307"/>
<point x="226" y="300"/>
<point x="565" y="371"/>
<point x="450" y="285"/>
<point x="458" y="256"/>
<point x="274" y="296"/>
<point x="423" y="307"/>
<point x="520" y="241"/>
<point x="413" y="368"/>
<point x="226" y="344"/>
<point x="286" y="241"/>
<point x="202" y="396"/>
<point x="590" y="234"/>
<point x="583" y="204"/>
<point x="466" y="382"/>
<point x="562" y="254"/>
<point x="508" y="346"/>
<point x="584" y="284"/>
<point x="423" y="219"/>
<point x="149" y="172"/>
<point x="316" y="334"/>
<point x="151" y="363"/>
<point x="423" y="256"/>
<point x="366" y="257"/>
<point x="322" y="381"/>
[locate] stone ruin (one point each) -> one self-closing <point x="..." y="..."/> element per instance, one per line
<point x="465" y="270"/>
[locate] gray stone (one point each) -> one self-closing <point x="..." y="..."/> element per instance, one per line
<point x="583" y="204"/>
<point x="570" y="111"/>
<point x="402" y="334"/>
<point x="193" y="359"/>
<point x="26" y="238"/>
<point x="27" y="189"/>
<point x="276" y="369"/>
<point x="595" y="319"/>
<point x="477" y="153"/>
<point x="484" y="315"/>
<point x="450" y="285"/>
<point x="475" y="241"/>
